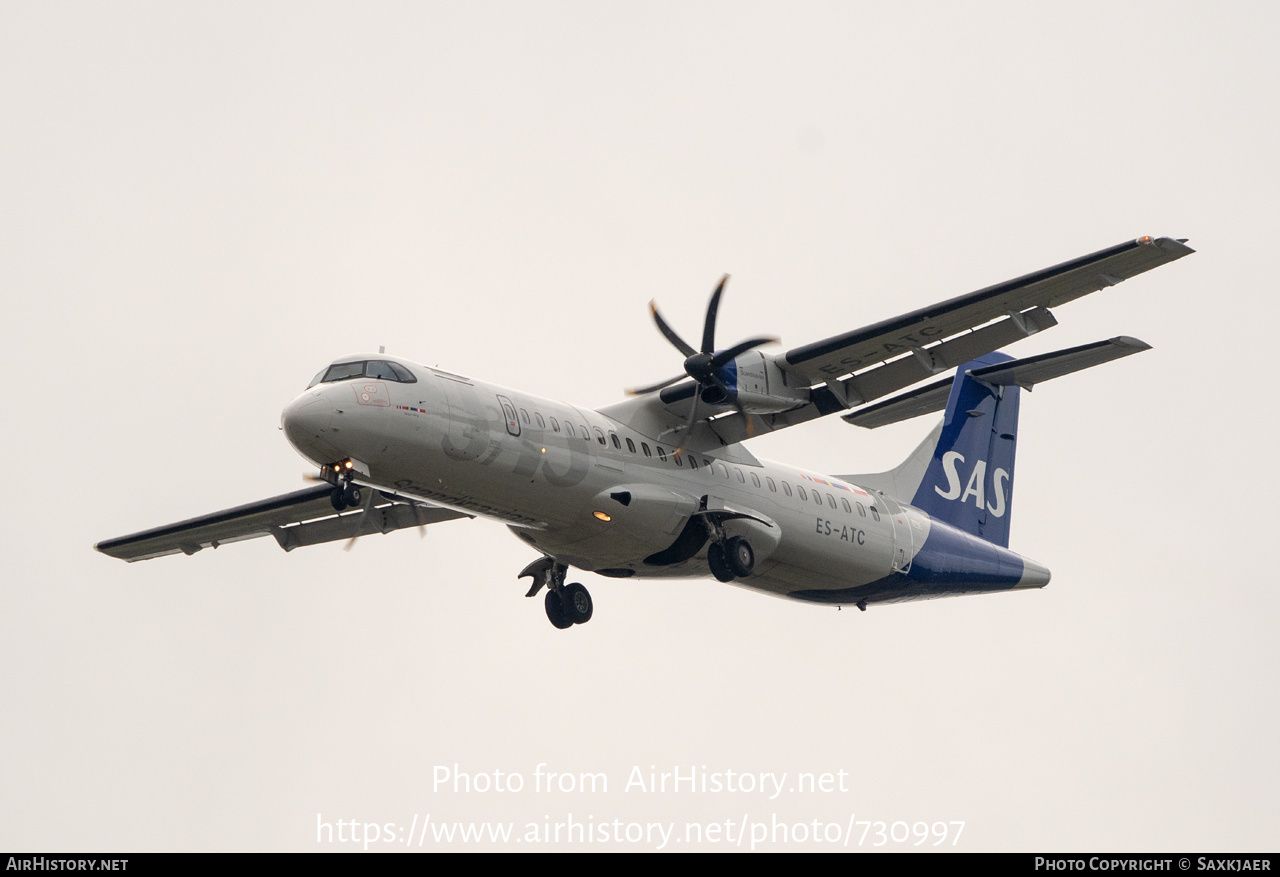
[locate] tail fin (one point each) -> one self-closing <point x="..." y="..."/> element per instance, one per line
<point x="968" y="482"/>
<point x="962" y="473"/>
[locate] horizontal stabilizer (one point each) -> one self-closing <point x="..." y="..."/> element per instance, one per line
<point x="1024" y="373"/>
<point x="1032" y="370"/>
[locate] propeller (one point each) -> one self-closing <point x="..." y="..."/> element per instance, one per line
<point x="365" y="506"/>
<point x="364" y="511"/>
<point x="704" y="365"/>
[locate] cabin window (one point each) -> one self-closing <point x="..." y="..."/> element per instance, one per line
<point x="847" y="509"/>
<point x="875" y="513"/>
<point x="773" y="488"/>
<point x="817" y="498"/>
<point x="644" y="446"/>
<point x="555" y="425"/>
<point x="586" y="434"/>
<point x="804" y="495"/>
<point x="542" y="424"/>
<point x="741" y="479"/>
<point x="861" y="510"/>
<point x="720" y="467"/>
<point x="617" y="445"/>
<point x="676" y="455"/>
<point x="631" y="446"/>
<point x="693" y="462"/>
<point x="786" y="488"/>
<point x="600" y="435"/>
<point x="662" y="455"/>
<point x="524" y="415"/>
<point x="568" y="429"/>
<point x="755" y="479"/>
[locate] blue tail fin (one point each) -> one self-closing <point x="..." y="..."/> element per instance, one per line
<point x="969" y="480"/>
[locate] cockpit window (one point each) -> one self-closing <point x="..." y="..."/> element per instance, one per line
<point x="343" y="371"/>
<point x="402" y="374"/>
<point x="374" y="368"/>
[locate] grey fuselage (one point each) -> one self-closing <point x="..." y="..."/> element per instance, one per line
<point x="556" y="473"/>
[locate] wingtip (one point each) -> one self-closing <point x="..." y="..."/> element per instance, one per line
<point x="1136" y="345"/>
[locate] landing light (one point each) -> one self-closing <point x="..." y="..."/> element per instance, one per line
<point x="601" y="516"/>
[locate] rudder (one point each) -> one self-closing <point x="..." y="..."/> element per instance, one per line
<point x="968" y="482"/>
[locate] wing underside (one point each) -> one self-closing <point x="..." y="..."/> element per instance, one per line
<point x="846" y="372"/>
<point x="857" y="350"/>
<point x="304" y="517"/>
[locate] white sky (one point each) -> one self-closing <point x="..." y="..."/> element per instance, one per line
<point x="201" y="205"/>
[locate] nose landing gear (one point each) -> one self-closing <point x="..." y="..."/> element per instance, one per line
<point x="345" y="495"/>
<point x="566" y="605"/>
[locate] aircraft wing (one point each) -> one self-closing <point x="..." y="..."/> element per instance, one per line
<point x="846" y="372"/>
<point x="304" y="517"/>
<point x="857" y="350"/>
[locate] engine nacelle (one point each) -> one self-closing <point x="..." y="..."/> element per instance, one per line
<point x="760" y="386"/>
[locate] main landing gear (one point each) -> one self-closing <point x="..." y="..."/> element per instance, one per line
<point x="566" y="605"/>
<point x="731" y="559"/>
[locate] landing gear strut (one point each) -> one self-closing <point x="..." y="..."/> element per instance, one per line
<point x="566" y="605"/>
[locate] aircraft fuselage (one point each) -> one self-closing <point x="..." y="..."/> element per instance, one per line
<point x="597" y="495"/>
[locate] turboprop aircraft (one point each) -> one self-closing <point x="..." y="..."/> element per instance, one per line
<point x="663" y="485"/>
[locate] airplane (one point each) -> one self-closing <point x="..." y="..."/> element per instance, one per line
<point x="662" y="485"/>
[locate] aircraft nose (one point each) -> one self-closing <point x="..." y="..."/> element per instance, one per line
<point x="307" y="422"/>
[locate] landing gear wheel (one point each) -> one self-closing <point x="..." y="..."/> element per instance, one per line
<point x="577" y="603"/>
<point x="335" y="497"/>
<point x="741" y="558"/>
<point x="719" y="563"/>
<point x="351" y="495"/>
<point x="556" y="612"/>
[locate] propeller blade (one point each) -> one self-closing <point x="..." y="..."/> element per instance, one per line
<point x="738" y="349"/>
<point x="642" y="390"/>
<point x="688" y="427"/>
<point x="670" y="333"/>
<point x="364" y="511"/>
<point x="709" y="327"/>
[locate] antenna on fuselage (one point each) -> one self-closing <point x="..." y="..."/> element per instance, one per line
<point x="382" y="349"/>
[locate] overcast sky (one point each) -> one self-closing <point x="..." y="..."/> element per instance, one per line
<point x="203" y="204"/>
